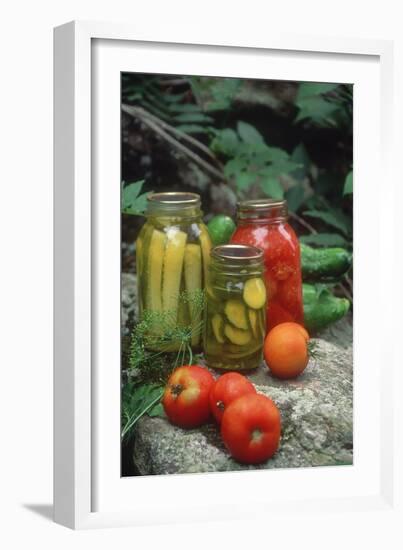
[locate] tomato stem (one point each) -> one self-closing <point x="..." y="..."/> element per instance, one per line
<point x="176" y="390"/>
<point x="256" y="435"/>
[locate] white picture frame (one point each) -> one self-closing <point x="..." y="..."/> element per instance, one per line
<point x="88" y="490"/>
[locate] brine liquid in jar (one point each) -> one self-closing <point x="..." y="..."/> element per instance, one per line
<point x="263" y="223"/>
<point x="235" y="308"/>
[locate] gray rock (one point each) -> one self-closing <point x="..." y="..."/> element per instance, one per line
<point x="316" y="413"/>
<point x="129" y="301"/>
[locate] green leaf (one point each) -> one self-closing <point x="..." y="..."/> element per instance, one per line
<point x="348" y="184"/>
<point x="132" y="190"/>
<point x="308" y="89"/>
<point x="316" y="108"/>
<point x="137" y="401"/>
<point x="295" y="197"/>
<point x="132" y="201"/>
<point x="225" y="141"/>
<point x="333" y="218"/>
<point x="235" y="166"/>
<point x="136" y="96"/>
<point x="277" y="155"/>
<point x="184" y="108"/>
<point x="244" y="180"/>
<point x="300" y="156"/>
<point x="248" y="133"/>
<point x="324" y="239"/>
<point x="272" y="187"/>
<point x="173" y="98"/>
<point x="215" y="94"/>
<point x="156" y="410"/>
<point x="223" y="93"/>
<point x="258" y="154"/>
<point x="193" y="117"/>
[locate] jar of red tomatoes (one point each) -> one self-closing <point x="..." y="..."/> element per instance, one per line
<point x="263" y="223"/>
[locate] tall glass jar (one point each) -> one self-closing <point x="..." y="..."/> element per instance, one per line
<point x="172" y="258"/>
<point x="263" y="223"/>
<point x="235" y="308"/>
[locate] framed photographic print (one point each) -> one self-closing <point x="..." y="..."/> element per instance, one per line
<point x="218" y="273"/>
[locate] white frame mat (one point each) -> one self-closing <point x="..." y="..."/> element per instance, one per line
<point x="88" y="489"/>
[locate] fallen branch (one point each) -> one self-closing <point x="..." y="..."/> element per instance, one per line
<point x="302" y="222"/>
<point x="164" y="130"/>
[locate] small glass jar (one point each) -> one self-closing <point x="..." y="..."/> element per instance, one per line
<point x="172" y="257"/>
<point x="263" y="223"/>
<point x="235" y="308"/>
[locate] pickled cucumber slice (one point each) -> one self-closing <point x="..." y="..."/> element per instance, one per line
<point x="241" y="353"/>
<point x="217" y="322"/>
<point x="237" y="336"/>
<point x="172" y="270"/>
<point x="154" y="271"/>
<point x="253" y="319"/>
<point x="205" y="243"/>
<point x="254" y="293"/>
<point x="193" y="283"/>
<point x="236" y="314"/>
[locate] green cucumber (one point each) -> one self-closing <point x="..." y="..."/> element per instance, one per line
<point x="221" y="229"/>
<point x="324" y="264"/>
<point x="322" y="308"/>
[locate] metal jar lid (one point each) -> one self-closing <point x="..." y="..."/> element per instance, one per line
<point x="262" y="208"/>
<point x="237" y="254"/>
<point x="172" y="201"/>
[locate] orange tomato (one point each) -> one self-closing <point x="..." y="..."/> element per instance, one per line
<point x="286" y="350"/>
<point x="297" y="326"/>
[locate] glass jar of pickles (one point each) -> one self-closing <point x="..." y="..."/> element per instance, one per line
<point x="172" y="257"/>
<point x="235" y="308"/>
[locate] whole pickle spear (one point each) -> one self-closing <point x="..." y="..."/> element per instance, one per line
<point x="154" y="271"/>
<point x="172" y="271"/>
<point x="193" y="282"/>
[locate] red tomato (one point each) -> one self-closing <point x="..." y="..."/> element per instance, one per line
<point x="226" y="389"/>
<point x="186" y="396"/>
<point x="251" y="428"/>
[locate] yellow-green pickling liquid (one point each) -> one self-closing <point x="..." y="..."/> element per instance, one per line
<point x="234" y="331"/>
<point x="172" y="256"/>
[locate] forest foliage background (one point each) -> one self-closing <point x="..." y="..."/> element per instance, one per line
<point x="228" y="138"/>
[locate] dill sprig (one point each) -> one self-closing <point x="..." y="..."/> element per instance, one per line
<point x="159" y="345"/>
